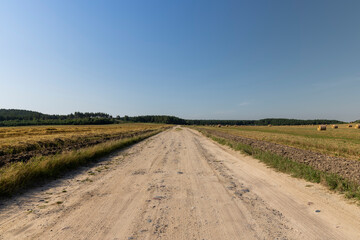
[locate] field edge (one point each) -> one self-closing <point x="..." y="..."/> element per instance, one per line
<point x="20" y="176"/>
<point x="332" y="181"/>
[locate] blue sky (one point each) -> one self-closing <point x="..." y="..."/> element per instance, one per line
<point x="192" y="59"/>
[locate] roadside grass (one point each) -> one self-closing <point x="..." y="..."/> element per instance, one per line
<point x="20" y="175"/>
<point x="332" y="181"/>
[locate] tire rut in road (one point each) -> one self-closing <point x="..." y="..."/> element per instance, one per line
<point x="262" y="218"/>
<point x="153" y="219"/>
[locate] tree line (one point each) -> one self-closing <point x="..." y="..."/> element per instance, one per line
<point x="264" y="122"/>
<point x="155" y="119"/>
<point x="16" y="114"/>
<point x="261" y="122"/>
<point x="15" y="117"/>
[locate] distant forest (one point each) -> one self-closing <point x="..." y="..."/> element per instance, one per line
<point x="155" y="119"/>
<point x="264" y="122"/>
<point x="15" y="117"/>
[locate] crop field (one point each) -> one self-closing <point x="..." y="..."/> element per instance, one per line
<point x="341" y="142"/>
<point x="330" y="156"/>
<point x="22" y="143"/>
<point x="13" y="137"/>
<point x="30" y="155"/>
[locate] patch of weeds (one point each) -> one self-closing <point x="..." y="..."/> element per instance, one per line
<point x="91" y="173"/>
<point x="64" y="191"/>
<point x="332" y="181"/>
<point x="59" y="202"/>
<point x="286" y="165"/>
<point x="87" y="180"/>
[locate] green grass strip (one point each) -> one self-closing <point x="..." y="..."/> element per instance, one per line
<point x="17" y="176"/>
<point x="295" y="169"/>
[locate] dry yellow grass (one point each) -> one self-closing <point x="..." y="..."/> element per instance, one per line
<point x="344" y="141"/>
<point x="11" y="137"/>
<point x="18" y="175"/>
<point x="99" y="140"/>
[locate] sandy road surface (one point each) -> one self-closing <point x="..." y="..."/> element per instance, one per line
<point x="179" y="185"/>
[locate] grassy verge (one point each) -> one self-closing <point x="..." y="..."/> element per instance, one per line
<point x="19" y="175"/>
<point x="295" y="169"/>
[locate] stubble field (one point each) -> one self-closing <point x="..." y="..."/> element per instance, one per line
<point x="23" y="143"/>
<point x="330" y="157"/>
<point x="31" y="155"/>
<point x="341" y="142"/>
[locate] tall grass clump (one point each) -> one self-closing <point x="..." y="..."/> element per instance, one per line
<point x="19" y="175"/>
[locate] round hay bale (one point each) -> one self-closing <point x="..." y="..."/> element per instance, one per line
<point x="219" y="125"/>
<point x="349" y="126"/>
<point x="357" y="126"/>
<point x="321" y="128"/>
<point x="335" y="126"/>
<point x="269" y="125"/>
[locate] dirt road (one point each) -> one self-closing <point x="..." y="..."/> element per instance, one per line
<point x="179" y="185"/>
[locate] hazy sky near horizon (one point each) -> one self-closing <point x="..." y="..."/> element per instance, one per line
<point x="193" y="59"/>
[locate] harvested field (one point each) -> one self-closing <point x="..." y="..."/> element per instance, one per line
<point x="24" y="143"/>
<point x="340" y="142"/>
<point x="349" y="169"/>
